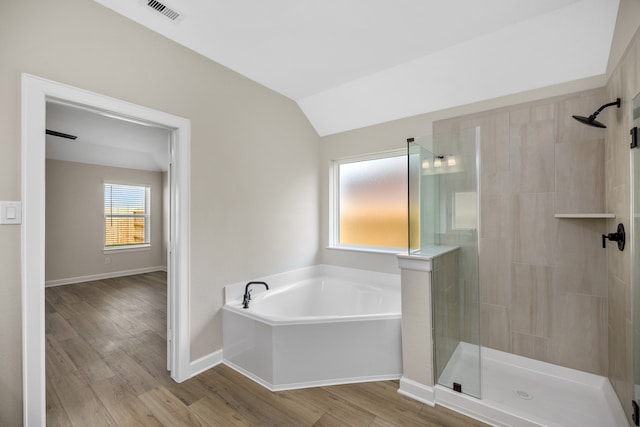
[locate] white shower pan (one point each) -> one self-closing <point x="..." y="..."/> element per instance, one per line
<point x="522" y="392"/>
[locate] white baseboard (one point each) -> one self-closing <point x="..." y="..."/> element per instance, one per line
<point x="205" y="362"/>
<point x="417" y="391"/>
<point x="102" y="276"/>
<point x="321" y="383"/>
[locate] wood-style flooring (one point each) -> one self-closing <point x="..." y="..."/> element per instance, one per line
<point x="106" y="366"/>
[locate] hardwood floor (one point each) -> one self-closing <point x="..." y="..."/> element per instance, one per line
<point x="106" y="365"/>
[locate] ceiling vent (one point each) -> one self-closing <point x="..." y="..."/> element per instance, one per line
<point x="165" y="10"/>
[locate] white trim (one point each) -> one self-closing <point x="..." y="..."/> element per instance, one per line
<point x="366" y="249"/>
<point x="205" y="363"/>
<point x="417" y="391"/>
<point x="396" y="152"/>
<point x="124" y="249"/>
<point x="131" y="248"/>
<point x="180" y="246"/>
<point x="334" y="204"/>
<point x="308" y="384"/>
<point x="338" y="381"/>
<point x="35" y="93"/>
<point x="102" y="276"/>
<point x="249" y="375"/>
<point x="32" y="263"/>
<point x="417" y="263"/>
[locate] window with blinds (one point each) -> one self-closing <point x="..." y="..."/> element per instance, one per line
<point x="126" y="216"/>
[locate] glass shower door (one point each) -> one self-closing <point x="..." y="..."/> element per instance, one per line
<point x="444" y="177"/>
<point x="423" y="196"/>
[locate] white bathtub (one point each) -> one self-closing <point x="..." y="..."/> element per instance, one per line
<point x="315" y="326"/>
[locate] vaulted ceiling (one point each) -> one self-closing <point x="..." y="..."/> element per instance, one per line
<point x="354" y="63"/>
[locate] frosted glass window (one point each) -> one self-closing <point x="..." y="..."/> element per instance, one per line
<point x="465" y="212"/>
<point x="372" y="202"/>
<point x="126" y="216"/>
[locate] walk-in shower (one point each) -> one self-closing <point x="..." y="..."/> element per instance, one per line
<point x="498" y="387"/>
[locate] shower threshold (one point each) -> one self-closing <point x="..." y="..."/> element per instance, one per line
<point x="521" y="392"/>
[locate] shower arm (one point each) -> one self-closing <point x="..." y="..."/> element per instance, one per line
<point x="616" y="103"/>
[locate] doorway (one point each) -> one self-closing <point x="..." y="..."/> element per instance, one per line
<point x="36" y="92"/>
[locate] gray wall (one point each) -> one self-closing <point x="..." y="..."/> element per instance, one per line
<point x="254" y="167"/>
<point x="75" y="221"/>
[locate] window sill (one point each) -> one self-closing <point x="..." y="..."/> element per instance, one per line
<point x="370" y="250"/>
<point x="123" y="249"/>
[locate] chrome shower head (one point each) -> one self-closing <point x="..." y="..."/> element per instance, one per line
<point x="591" y="120"/>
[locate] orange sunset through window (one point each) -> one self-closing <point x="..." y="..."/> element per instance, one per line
<point x="373" y="202"/>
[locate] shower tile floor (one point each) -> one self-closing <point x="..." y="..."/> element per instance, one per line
<point x="517" y="391"/>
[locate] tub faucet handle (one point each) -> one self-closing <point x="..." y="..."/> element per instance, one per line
<point x="246" y="299"/>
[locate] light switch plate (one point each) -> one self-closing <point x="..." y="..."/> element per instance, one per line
<point x="10" y="212"/>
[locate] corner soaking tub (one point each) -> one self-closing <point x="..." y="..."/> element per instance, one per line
<point x="315" y="326"/>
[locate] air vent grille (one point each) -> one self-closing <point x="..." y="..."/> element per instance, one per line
<point x="164" y="9"/>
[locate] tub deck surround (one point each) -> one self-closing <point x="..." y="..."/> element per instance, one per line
<point x="423" y="260"/>
<point x="235" y="291"/>
<point x="321" y="300"/>
<point x="315" y="326"/>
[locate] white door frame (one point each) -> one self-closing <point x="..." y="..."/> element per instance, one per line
<point x="35" y="93"/>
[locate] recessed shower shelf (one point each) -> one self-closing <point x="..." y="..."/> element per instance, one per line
<point x="586" y="215"/>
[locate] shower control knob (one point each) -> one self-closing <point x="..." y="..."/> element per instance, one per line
<point x="618" y="236"/>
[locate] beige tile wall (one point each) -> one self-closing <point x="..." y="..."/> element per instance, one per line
<point x="543" y="284"/>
